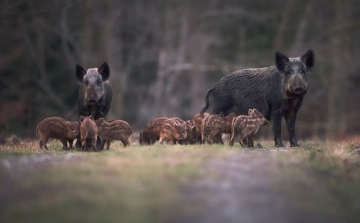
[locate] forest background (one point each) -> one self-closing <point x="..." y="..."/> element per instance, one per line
<point x="165" y="54"/>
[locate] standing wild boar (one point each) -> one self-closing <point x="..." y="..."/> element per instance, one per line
<point x="198" y="119"/>
<point x="244" y="126"/>
<point x="275" y="91"/>
<point x="151" y="132"/>
<point x="57" y="128"/>
<point x="193" y="135"/>
<point x="88" y="133"/>
<point x="95" y="92"/>
<point x="114" y="130"/>
<point x="212" y="128"/>
<point x="172" y="131"/>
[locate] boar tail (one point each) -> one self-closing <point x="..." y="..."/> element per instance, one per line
<point x="206" y="106"/>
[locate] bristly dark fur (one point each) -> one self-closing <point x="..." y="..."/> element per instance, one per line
<point x="275" y="91"/>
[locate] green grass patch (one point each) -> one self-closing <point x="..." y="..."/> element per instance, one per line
<point x="145" y="183"/>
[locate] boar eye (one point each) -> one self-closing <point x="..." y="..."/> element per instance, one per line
<point x="98" y="82"/>
<point x="86" y="82"/>
<point x="289" y="72"/>
<point x="301" y="71"/>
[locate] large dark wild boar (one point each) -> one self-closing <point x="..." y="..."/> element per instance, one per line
<point x="172" y="131"/>
<point x="88" y="133"/>
<point x="274" y="91"/>
<point x="151" y="132"/>
<point x="246" y="126"/>
<point x="95" y="93"/>
<point x="114" y="130"/>
<point x="57" y="128"/>
<point x="212" y="128"/>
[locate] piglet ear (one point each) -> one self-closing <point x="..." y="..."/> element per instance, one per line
<point x="193" y="128"/>
<point x="80" y="73"/>
<point x="91" y="117"/>
<point x="280" y="61"/>
<point x="104" y="71"/>
<point x="68" y="125"/>
<point x="309" y="59"/>
<point x="81" y="119"/>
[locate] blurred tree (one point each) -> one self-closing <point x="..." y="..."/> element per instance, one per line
<point x="163" y="56"/>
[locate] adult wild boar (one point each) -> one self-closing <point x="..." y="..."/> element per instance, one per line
<point x="95" y="94"/>
<point x="274" y="91"/>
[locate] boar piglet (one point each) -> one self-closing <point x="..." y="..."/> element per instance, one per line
<point x="57" y="128"/>
<point x="198" y="119"/>
<point x="228" y="122"/>
<point x="88" y="133"/>
<point x="151" y="132"/>
<point x="193" y="133"/>
<point x="114" y="130"/>
<point x="276" y="91"/>
<point x="246" y="126"/>
<point x="212" y="128"/>
<point x="172" y="131"/>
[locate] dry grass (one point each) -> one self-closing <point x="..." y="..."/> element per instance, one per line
<point x="152" y="183"/>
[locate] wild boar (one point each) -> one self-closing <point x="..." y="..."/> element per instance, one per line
<point x="151" y="132"/>
<point x="114" y="130"/>
<point x="228" y="123"/>
<point x="246" y="126"/>
<point x="274" y="91"/>
<point x="95" y="93"/>
<point x="198" y="119"/>
<point x="193" y="135"/>
<point x="212" y="128"/>
<point x="88" y="133"/>
<point x="172" y="131"/>
<point x="57" y="128"/>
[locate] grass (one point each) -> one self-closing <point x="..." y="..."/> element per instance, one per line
<point x="152" y="183"/>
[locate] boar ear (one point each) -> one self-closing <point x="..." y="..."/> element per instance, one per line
<point x="308" y="58"/>
<point x="81" y="119"/>
<point x="250" y="111"/>
<point x="68" y="125"/>
<point x="193" y="128"/>
<point x="222" y="115"/>
<point x="91" y="117"/>
<point x="104" y="71"/>
<point x="281" y="61"/>
<point x="80" y="73"/>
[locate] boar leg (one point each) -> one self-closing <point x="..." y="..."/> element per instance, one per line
<point x="250" y="140"/>
<point x="63" y="141"/>
<point x="70" y="143"/>
<point x="277" y="130"/>
<point x="41" y="144"/>
<point x="78" y="143"/>
<point x="108" y="141"/>
<point x="290" y="123"/>
<point x="125" y="141"/>
<point x="102" y="144"/>
<point x="232" y="139"/>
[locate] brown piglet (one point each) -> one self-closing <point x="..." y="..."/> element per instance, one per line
<point x="151" y="132"/>
<point x="173" y="131"/>
<point x="114" y="130"/>
<point x="246" y="126"/>
<point x="57" y="128"/>
<point x="212" y="128"/>
<point x="88" y="133"/>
